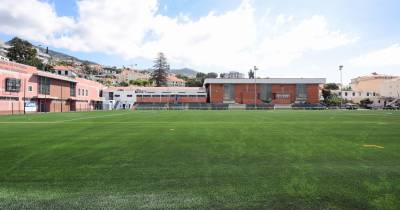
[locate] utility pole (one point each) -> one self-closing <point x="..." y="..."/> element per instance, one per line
<point x="255" y="88"/>
<point x="341" y="85"/>
<point x="24" y="95"/>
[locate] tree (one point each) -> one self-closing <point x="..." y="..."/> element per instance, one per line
<point x="160" y="70"/>
<point x="326" y="94"/>
<point x="194" y="82"/>
<point x="139" y="82"/>
<point x="331" y="86"/>
<point x="334" y="100"/>
<point x="326" y="91"/>
<point x="123" y="84"/>
<point x="21" y="51"/>
<point x="180" y="76"/>
<point x="212" y="75"/>
<point x="251" y="74"/>
<point x="365" y="102"/>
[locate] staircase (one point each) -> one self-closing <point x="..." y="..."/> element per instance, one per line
<point x="237" y="106"/>
<point x="283" y="106"/>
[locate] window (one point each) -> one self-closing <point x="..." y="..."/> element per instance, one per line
<point x="72" y="89"/>
<point x="340" y="93"/>
<point x="116" y="96"/>
<point x="13" y="85"/>
<point x="5" y="98"/>
<point x="66" y="73"/>
<point x="374" y="94"/>
<point x="59" y="72"/>
<point x="30" y="89"/>
<point x="44" y="85"/>
<point x="87" y="92"/>
<point x="229" y="92"/>
<point x="345" y="93"/>
<point x="354" y="94"/>
<point x="282" y="96"/>
<point x="79" y="92"/>
<point x="266" y="92"/>
<point x="367" y="94"/>
<point x="129" y="96"/>
<point x="301" y="91"/>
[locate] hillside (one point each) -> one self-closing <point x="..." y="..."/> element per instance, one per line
<point x="57" y="55"/>
<point x="185" y="72"/>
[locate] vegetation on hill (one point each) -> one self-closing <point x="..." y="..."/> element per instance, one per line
<point x="22" y="51"/>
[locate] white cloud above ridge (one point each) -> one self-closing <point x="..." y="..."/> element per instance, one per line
<point x="386" y="57"/>
<point x="236" y="39"/>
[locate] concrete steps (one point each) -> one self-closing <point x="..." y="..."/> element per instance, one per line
<point x="237" y="106"/>
<point x="283" y="106"/>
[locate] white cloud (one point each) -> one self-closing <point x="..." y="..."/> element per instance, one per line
<point x="236" y="39"/>
<point x="32" y="19"/>
<point x="386" y="57"/>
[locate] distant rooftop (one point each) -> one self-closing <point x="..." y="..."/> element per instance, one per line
<point x="267" y="81"/>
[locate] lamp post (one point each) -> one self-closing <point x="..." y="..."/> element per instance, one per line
<point x="341" y="84"/>
<point x="255" y="88"/>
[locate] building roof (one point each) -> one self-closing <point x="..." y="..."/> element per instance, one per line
<point x="16" y="67"/>
<point x="157" y="89"/>
<point x="267" y="81"/>
<point x="173" y="78"/>
<point x="63" y="68"/>
<point x="53" y="76"/>
<point x="373" y="76"/>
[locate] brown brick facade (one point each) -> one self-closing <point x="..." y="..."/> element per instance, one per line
<point x="245" y="94"/>
<point x="216" y="93"/>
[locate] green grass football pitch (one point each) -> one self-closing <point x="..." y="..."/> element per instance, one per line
<point x="201" y="159"/>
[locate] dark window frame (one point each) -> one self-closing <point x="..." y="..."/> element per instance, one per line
<point x="13" y="85"/>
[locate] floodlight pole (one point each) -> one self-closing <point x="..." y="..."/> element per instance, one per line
<point x="255" y="88"/>
<point x="341" y="85"/>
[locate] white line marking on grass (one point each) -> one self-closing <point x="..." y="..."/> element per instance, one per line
<point x="64" y="121"/>
<point x="94" y="117"/>
<point x="373" y="146"/>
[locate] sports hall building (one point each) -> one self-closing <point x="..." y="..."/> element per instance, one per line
<point x="261" y="91"/>
<point x="26" y="89"/>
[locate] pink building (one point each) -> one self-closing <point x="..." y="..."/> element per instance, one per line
<point x="25" y="89"/>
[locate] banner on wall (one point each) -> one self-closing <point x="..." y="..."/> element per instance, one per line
<point x="30" y="106"/>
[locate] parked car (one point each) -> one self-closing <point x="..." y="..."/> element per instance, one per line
<point x="349" y="106"/>
<point x="391" y="107"/>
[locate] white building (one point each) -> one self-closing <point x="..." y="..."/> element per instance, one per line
<point x="391" y="88"/>
<point x="65" y="71"/>
<point x="4" y="49"/>
<point x="127" y="97"/>
<point x="119" y="97"/>
<point x="4" y="58"/>
<point x="357" y="96"/>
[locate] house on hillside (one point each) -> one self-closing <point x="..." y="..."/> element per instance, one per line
<point x="173" y="81"/>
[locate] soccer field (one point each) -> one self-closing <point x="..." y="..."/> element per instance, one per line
<point x="201" y="159"/>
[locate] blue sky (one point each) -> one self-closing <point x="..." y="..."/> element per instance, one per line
<point x="220" y="35"/>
